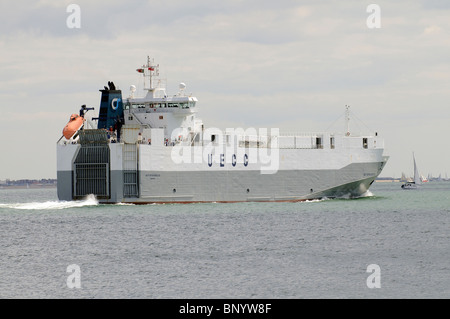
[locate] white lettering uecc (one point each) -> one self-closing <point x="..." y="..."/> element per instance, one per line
<point x="374" y="20"/>
<point x="374" y="279"/>
<point x="73" y="20"/>
<point x="74" y="279"/>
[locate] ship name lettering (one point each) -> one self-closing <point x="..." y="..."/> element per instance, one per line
<point x="222" y="160"/>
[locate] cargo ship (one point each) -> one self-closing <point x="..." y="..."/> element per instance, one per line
<point x="155" y="149"/>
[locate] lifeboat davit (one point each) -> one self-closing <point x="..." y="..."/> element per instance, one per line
<point x="75" y="123"/>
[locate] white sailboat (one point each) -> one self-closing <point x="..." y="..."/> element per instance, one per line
<point x="417" y="180"/>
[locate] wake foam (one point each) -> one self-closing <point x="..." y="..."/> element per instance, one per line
<point x="367" y="194"/>
<point x="89" y="200"/>
<point x="318" y="200"/>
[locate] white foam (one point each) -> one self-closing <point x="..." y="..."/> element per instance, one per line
<point x="368" y="193"/>
<point x="90" y="200"/>
<point x="314" y="200"/>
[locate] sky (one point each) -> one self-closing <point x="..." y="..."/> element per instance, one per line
<point x="291" y="65"/>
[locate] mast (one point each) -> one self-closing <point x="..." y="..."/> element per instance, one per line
<point x="347" y="120"/>
<point x="149" y="70"/>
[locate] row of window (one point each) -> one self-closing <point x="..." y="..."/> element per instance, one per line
<point x="318" y="145"/>
<point x="181" y="105"/>
<point x="332" y="145"/>
<point x="130" y="117"/>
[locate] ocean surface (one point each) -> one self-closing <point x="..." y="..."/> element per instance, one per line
<point x="315" y="249"/>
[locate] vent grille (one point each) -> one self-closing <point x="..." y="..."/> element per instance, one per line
<point x="92" y="166"/>
<point x="130" y="171"/>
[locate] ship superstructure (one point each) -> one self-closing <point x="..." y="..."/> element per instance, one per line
<point x="154" y="149"/>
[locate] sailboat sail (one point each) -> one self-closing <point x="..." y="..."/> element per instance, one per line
<point x="417" y="179"/>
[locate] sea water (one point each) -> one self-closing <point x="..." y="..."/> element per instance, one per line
<point x="392" y="243"/>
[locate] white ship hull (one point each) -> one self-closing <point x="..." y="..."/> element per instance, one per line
<point x="302" y="174"/>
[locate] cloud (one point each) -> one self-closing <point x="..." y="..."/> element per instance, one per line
<point x="435" y="4"/>
<point x="433" y="29"/>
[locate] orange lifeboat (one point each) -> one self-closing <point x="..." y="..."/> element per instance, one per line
<point x="75" y="123"/>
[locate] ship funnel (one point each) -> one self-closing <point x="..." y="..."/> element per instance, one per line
<point x="111" y="107"/>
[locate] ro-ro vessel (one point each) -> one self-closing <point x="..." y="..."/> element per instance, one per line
<point x="154" y="149"/>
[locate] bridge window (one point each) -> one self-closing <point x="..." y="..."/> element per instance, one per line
<point x="365" y="144"/>
<point x="319" y="142"/>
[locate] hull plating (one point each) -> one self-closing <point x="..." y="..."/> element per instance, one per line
<point x="236" y="186"/>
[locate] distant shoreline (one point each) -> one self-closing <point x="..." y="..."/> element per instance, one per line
<point x="387" y="181"/>
<point x="28" y="183"/>
<point x="27" y="187"/>
<point x="42" y="186"/>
